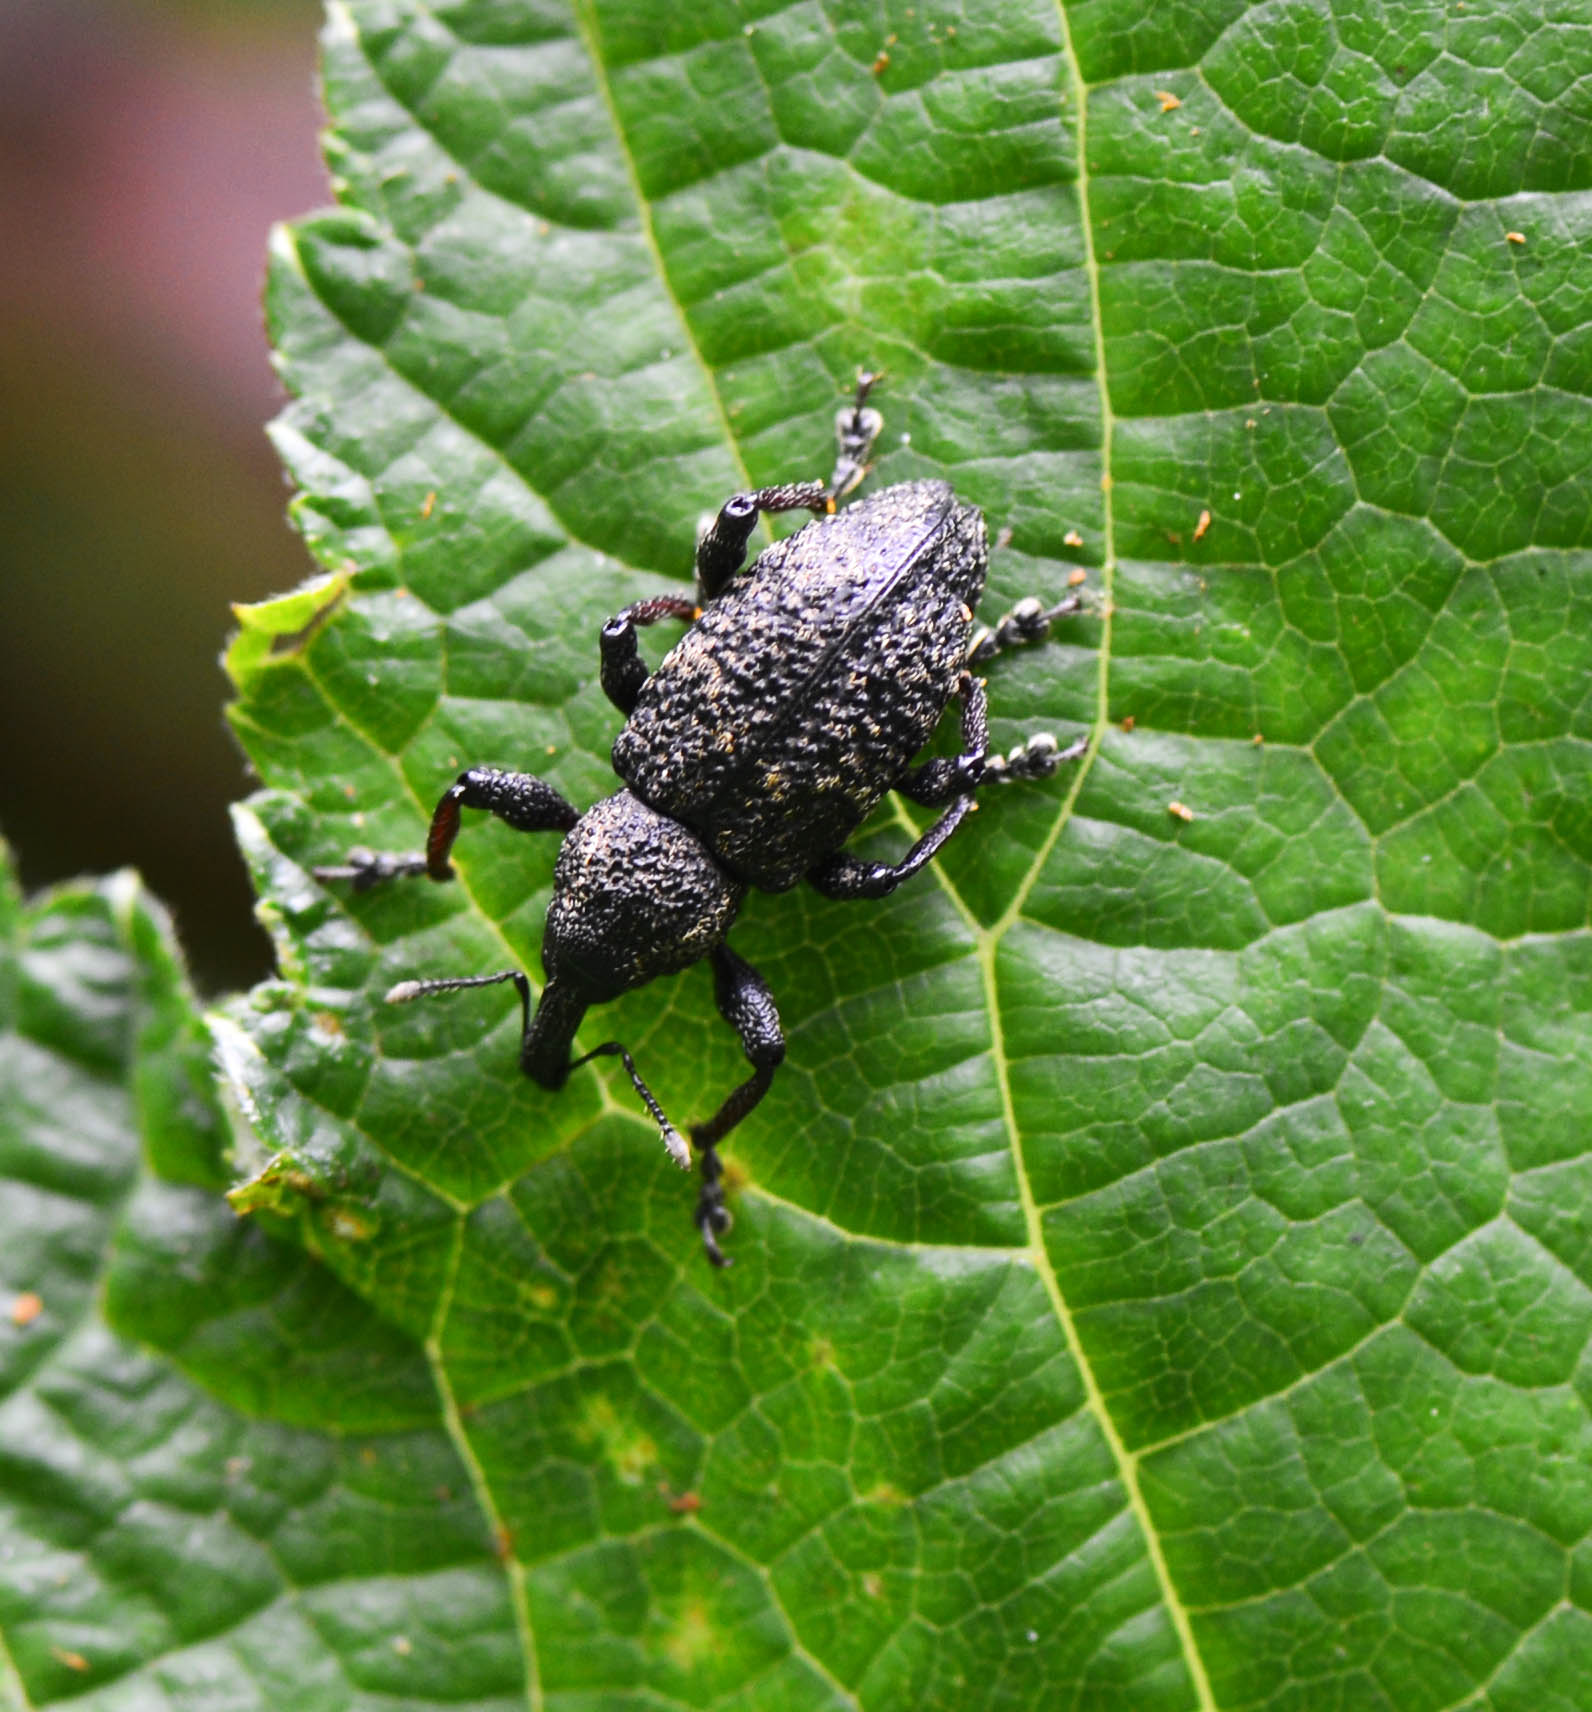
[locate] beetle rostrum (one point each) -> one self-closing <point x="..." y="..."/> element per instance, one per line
<point x="798" y="696"/>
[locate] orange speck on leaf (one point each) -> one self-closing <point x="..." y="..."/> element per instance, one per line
<point x="1203" y="524"/>
<point x="26" y="1308"/>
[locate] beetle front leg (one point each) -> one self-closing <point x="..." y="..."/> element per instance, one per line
<point x="748" y="1007"/>
<point x="520" y="800"/>
<point x="623" y="669"/>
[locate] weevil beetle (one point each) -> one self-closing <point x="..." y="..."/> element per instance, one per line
<point x="796" y="699"/>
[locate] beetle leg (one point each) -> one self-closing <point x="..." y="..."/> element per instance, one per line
<point x="938" y="782"/>
<point x="520" y="800"/>
<point x="842" y="875"/>
<point x="367" y="868"/>
<point x="623" y="669"/>
<point x="1028" y="621"/>
<point x="721" y="550"/>
<point x="747" y="1006"/>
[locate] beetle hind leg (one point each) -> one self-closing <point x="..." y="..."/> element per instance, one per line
<point x="721" y="550"/>
<point x="949" y="784"/>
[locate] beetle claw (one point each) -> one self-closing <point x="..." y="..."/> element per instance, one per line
<point x="713" y="1218"/>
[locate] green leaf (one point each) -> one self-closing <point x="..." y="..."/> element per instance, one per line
<point x="224" y="1479"/>
<point x="1163" y="1268"/>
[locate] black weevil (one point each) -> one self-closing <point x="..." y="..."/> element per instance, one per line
<point x="796" y="699"/>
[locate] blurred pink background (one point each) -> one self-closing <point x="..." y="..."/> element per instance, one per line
<point x="145" y="149"/>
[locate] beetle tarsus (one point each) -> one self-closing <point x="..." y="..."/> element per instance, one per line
<point x="713" y="1218"/>
<point x="857" y="426"/>
<point x="1029" y="621"/>
<point x="1037" y="757"/>
<point x="367" y="868"/>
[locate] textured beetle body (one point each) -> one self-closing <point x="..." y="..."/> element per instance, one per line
<point x="797" y="698"/>
<point x="795" y="702"/>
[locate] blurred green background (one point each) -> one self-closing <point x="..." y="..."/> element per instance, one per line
<point x="145" y="149"/>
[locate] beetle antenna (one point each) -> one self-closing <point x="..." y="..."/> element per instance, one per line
<point x="407" y="990"/>
<point x="679" y="1151"/>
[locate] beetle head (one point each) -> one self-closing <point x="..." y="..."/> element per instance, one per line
<point x="635" y="896"/>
